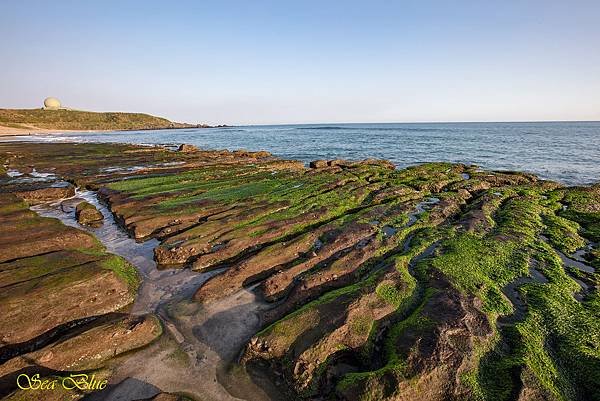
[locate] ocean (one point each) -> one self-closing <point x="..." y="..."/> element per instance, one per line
<point x="568" y="152"/>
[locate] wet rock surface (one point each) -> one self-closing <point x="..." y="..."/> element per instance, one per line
<point x="90" y="349"/>
<point x="345" y="280"/>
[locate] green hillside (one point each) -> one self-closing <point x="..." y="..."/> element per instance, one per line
<point x="82" y="120"/>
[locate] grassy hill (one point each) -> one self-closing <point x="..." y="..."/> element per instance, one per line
<point x="82" y="120"/>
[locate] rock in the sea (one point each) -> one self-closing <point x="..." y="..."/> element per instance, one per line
<point x="187" y="148"/>
<point x="243" y="153"/>
<point x="260" y="154"/>
<point x="318" y="164"/>
<point x="88" y="215"/>
<point x="379" y="162"/>
<point x="347" y="163"/>
<point x="339" y="162"/>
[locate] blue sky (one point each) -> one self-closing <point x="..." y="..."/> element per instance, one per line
<point x="255" y="62"/>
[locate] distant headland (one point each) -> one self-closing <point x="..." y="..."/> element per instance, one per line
<point x="53" y="116"/>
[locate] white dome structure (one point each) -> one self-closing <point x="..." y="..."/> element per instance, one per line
<point x="51" y="103"/>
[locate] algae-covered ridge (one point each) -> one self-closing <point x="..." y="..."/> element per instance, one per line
<point x="436" y="282"/>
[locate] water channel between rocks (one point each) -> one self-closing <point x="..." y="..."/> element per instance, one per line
<point x="201" y="343"/>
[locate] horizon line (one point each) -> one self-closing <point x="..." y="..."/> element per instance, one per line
<point x="419" y="122"/>
<point x="160" y="115"/>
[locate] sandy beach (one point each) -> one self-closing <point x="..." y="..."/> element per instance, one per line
<point x="11" y="131"/>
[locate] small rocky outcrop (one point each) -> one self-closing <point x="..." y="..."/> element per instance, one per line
<point x="379" y="162"/>
<point x="187" y="148"/>
<point x="46" y="193"/>
<point x="88" y="215"/>
<point x="318" y="164"/>
<point x="242" y="153"/>
<point x="340" y="163"/>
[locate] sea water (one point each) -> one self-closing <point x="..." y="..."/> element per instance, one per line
<point x="568" y="152"/>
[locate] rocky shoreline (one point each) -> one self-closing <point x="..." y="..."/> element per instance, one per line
<point x="271" y="280"/>
<point x="46" y="121"/>
<point x="7" y="131"/>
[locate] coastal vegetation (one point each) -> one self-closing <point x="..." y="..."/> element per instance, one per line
<point x="436" y="282"/>
<point x="77" y="120"/>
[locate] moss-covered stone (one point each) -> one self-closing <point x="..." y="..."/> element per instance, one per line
<point x="88" y="215"/>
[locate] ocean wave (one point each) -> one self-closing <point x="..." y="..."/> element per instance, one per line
<point x="230" y="129"/>
<point x="406" y="129"/>
<point x="322" y="128"/>
<point x="374" y="129"/>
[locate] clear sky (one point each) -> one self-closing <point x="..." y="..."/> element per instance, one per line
<point x="254" y="62"/>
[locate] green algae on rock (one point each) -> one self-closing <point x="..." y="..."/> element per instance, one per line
<point x="436" y="282"/>
<point x="87" y="214"/>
